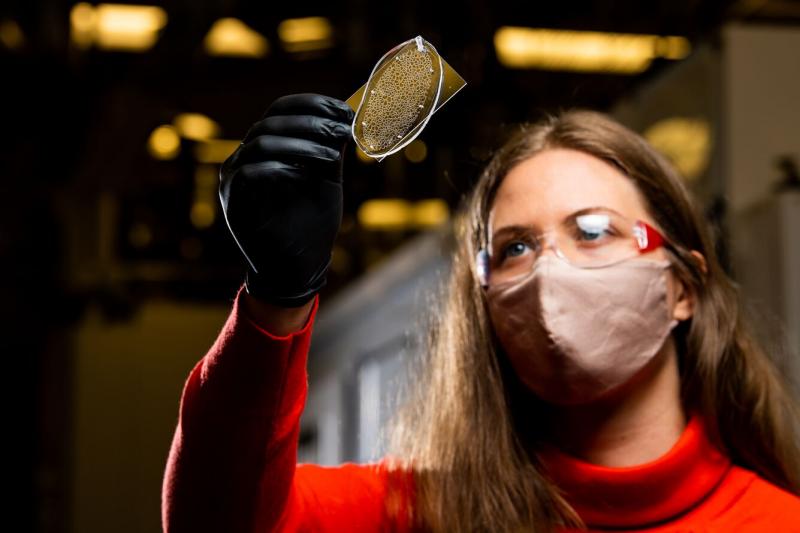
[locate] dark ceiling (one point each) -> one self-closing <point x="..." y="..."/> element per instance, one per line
<point x="76" y="122"/>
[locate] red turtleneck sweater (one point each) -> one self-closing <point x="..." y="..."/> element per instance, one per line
<point x="232" y="463"/>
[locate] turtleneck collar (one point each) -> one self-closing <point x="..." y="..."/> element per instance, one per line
<point x="645" y="494"/>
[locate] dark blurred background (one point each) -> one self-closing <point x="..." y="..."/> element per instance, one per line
<point x="117" y="266"/>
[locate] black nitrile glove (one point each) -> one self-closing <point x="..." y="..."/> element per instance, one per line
<point x="281" y="192"/>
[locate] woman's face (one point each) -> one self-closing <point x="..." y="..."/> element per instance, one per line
<point x="548" y="188"/>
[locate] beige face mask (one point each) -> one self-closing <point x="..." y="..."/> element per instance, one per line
<point x="574" y="334"/>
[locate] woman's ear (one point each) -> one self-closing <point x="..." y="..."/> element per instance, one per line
<point x="685" y="297"/>
<point x="701" y="261"/>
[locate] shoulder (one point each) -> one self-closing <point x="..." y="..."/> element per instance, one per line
<point x="760" y="503"/>
<point x="373" y="492"/>
<point x="371" y="477"/>
<point x="770" y="497"/>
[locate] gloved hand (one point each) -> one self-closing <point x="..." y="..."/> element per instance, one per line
<point x="281" y="193"/>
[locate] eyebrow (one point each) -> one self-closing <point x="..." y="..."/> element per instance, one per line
<point x="517" y="229"/>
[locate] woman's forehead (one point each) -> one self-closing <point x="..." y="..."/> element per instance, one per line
<point x="558" y="182"/>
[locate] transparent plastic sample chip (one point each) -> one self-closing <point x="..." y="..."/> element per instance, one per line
<point x="406" y="87"/>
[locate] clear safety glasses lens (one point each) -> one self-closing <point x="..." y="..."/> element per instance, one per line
<point x="585" y="240"/>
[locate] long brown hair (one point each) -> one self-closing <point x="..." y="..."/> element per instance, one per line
<point x="460" y="429"/>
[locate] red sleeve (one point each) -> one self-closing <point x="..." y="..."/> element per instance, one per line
<point x="233" y="455"/>
<point x="233" y="458"/>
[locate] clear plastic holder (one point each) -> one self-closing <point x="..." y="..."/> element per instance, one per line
<point x="406" y="87"/>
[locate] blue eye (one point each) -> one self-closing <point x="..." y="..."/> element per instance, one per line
<point x="514" y="249"/>
<point x="591" y="235"/>
<point x="592" y="227"/>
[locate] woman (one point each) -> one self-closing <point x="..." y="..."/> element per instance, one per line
<point x="589" y="367"/>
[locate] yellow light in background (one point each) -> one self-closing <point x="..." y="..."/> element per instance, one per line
<point x="128" y="27"/>
<point x="399" y="214"/>
<point x="206" y="178"/>
<point x="232" y="37"/>
<point x="385" y="214"/>
<point x="430" y="213"/>
<point x="11" y="34"/>
<point x="215" y="150"/>
<point x="196" y="126"/>
<point x="673" y="47"/>
<point x="202" y="214"/>
<point x="584" y="51"/>
<point x="685" y="141"/>
<point x="132" y="28"/>
<point x="416" y="152"/>
<point x="164" y="143"/>
<point x="204" y="205"/>
<point x="305" y="34"/>
<point x="83" y="24"/>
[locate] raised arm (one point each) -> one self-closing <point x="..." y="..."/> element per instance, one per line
<point x="232" y="462"/>
<point x="233" y="457"/>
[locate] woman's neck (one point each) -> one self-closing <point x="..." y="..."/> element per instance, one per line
<point x="637" y="424"/>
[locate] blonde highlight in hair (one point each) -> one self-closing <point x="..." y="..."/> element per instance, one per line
<point x="462" y="431"/>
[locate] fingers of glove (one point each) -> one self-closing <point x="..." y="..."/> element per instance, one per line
<point x="311" y="104"/>
<point x="267" y="171"/>
<point x="273" y="194"/>
<point x="249" y="183"/>
<point x="288" y="149"/>
<point x="326" y="131"/>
